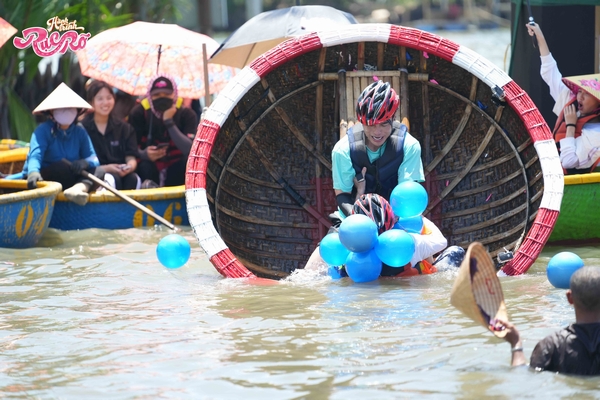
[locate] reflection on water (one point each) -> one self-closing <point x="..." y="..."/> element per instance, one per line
<point x="92" y="314"/>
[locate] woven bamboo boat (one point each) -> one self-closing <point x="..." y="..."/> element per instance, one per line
<point x="25" y="213"/>
<point x="258" y="183"/>
<point x="579" y="220"/>
<point x="105" y="210"/>
<point x="10" y="144"/>
<point x="12" y="159"/>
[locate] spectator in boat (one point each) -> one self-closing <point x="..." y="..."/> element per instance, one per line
<point x="164" y="133"/>
<point x="576" y="348"/>
<point x="577" y="104"/>
<point x="114" y="140"/>
<point x="61" y="139"/>
<point x="377" y="152"/>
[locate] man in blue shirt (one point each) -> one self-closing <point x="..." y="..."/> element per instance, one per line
<point x="61" y="138"/>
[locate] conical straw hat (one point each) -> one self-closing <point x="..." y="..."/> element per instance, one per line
<point x="477" y="292"/>
<point x="589" y="83"/>
<point x="62" y="97"/>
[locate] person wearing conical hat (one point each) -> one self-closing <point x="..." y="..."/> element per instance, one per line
<point x="577" y="104"/>
<point x="60" y="148"/>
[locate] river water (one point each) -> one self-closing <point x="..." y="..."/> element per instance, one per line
<point x="93" y="314"/>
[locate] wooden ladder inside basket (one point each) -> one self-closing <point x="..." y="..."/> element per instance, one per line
<point x="352" y="83"/>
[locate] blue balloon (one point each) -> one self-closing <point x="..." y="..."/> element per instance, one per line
<point x="408" y="199"/>
<point x="173" y="251"/>
<point x="332" y="251"/>
<point x="363" y="267"/>
<point x="395" y="247"/>
<point x="561" y="267"/>
<point x="410" y="224"/>
<point x="334" y="272"/>
<point x="358" y="233"/>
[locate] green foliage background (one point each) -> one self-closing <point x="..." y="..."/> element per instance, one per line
<point x="22" y="83"/>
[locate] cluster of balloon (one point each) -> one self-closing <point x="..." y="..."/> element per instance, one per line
<point x="410" y="224"/>
<point x="363" y="252"/>
<point x="408" y="199"/>
<point x="173" y="251"/>
<point x="561" y="267"/>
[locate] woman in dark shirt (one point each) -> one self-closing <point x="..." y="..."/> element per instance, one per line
<point x="114" y="140"/>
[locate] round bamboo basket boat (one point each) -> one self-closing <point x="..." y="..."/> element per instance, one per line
<point x="579" y="221"/>
<point x="12" y="160"/>
<point x="25" y="213"/>
<point x="258" y="181"/>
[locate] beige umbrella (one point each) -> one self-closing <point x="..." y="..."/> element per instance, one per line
<point x="266" y="30"/>
<point x="6" y="31"/>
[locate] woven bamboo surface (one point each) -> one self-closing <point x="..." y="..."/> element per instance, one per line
<point x="484" y="186"/>
<point x="12" y="160"/>
<point x="259" y="187"/>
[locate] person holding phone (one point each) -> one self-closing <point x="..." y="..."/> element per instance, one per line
<point x="577" y="104"/>
<point x="114" y="140"/>
<point x="164" y="131"/>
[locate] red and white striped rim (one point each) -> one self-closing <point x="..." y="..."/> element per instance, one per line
<point x="197" y="203"/>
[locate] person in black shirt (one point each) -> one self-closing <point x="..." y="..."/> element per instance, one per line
<point x="164" y="131"/>
<point x="576" y="348"/>
<point x="114" y="140"/>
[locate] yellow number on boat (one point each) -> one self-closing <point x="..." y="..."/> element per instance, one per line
<point x="138" y="218"/>
<point x="24" y="220"/>
<point x="169" y="214"/>
<point x="40" y="222"/>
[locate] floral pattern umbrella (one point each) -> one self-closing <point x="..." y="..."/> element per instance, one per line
<point x="129" y="56"/>
<point x="7" y="31"/>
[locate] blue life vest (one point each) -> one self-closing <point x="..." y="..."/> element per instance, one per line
<point x="382" y="175"/>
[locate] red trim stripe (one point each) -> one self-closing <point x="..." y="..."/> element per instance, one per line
<point x="425" y="41"/>
<point x="284" y="52"/>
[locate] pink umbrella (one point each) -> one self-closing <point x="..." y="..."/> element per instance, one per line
<point x="7" y="30"/>
<point x="129" y="56"/>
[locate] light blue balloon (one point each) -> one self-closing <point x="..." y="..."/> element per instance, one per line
<point x="332" y="251"/>
<point x="334" y="272"/>
<point x="561" y="267"/>
<point x="173" y="251"/>
<point x="395" y="247"/>
<point x="363" y="267"/>
<point x="408" y="199"/>
<point x="410" y="224"/>
<point x="358" y="233"/>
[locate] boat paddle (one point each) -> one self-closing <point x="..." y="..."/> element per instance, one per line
<point x="127" y="199"/>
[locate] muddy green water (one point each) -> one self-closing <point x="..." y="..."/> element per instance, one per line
<point x="93" y="314"/>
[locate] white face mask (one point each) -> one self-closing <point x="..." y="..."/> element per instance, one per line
<point x="65" y="116"/>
